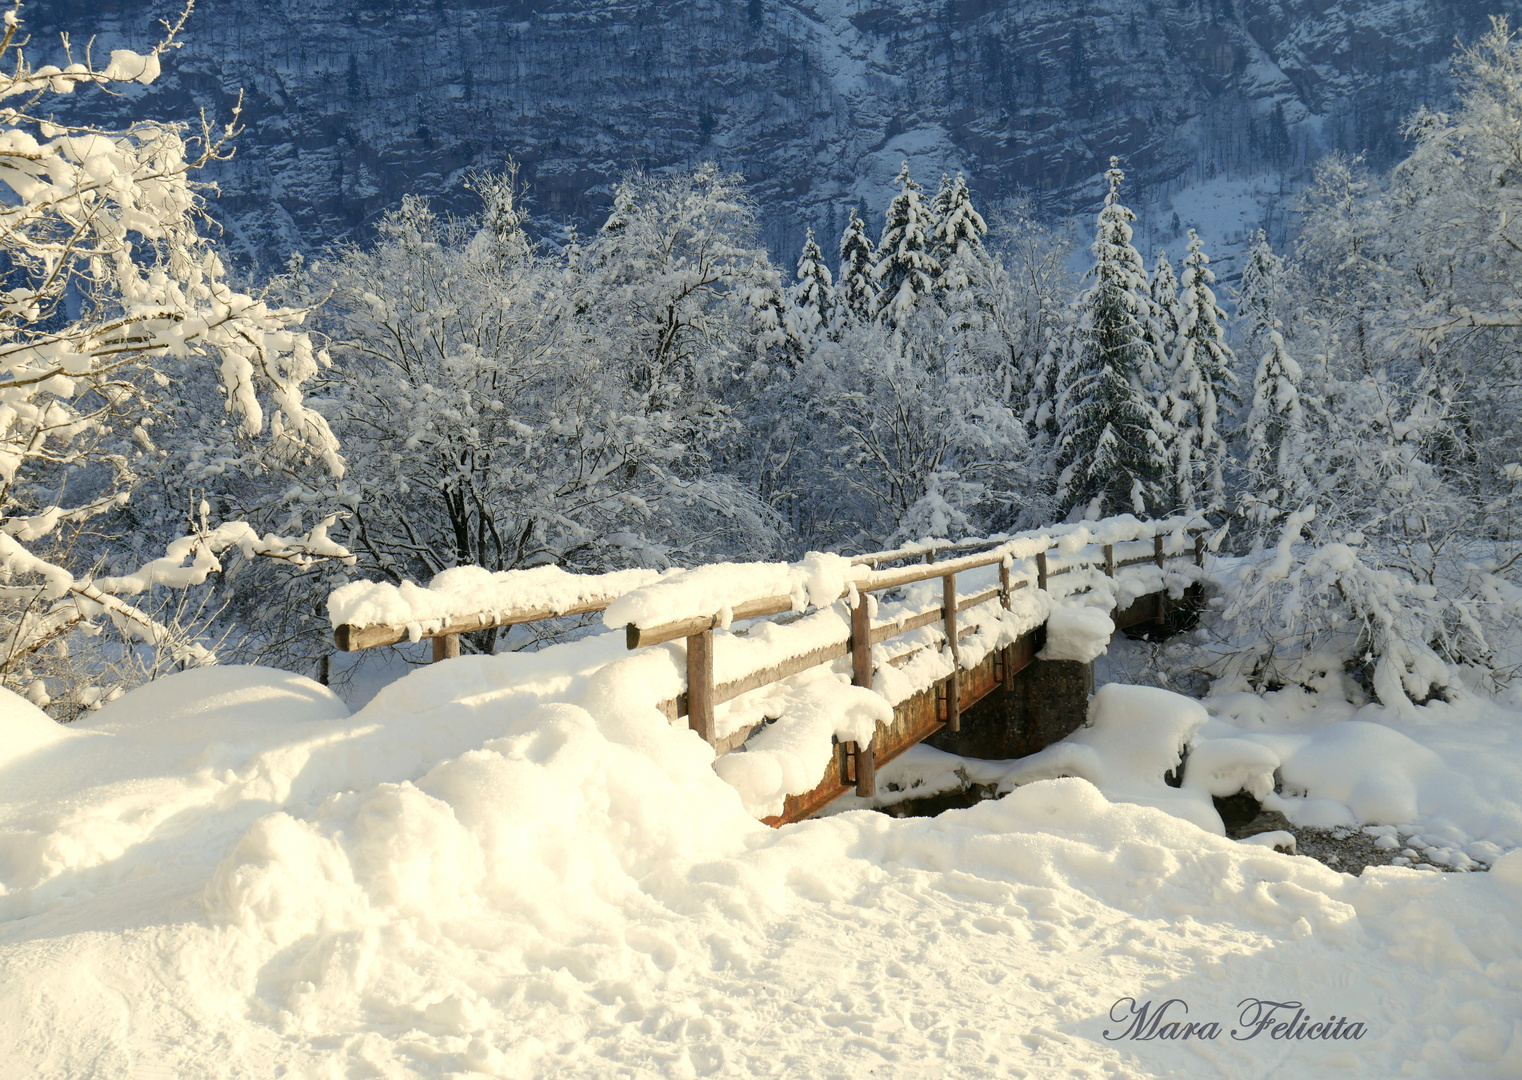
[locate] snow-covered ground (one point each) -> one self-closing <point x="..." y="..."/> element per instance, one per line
<point x="513" y="866"/>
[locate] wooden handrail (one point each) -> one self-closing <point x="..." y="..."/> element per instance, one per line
<point x="874" y="634"/>
<point x="988" y="551"/>
<point x="350" y="638"/>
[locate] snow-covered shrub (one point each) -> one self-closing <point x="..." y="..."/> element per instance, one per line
<point x="111" y="299"/>
<point x="1301" y="610"/>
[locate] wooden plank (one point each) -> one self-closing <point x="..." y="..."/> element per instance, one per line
<point x="1157" y="549"/>
<point x="1041" y="574"/>
<point x="350" y="638"/>
<point x="700" y="687"/>
<point x="981" y="598"/>
<point x="866" y="770"/>
<point x="1109" y="560"/>
<point x="446" y="647"/>
<point x="889" y="579"/>
<point x="637" y="637"/>
<point x="728" y="691"/>
<point x="885" y="631"/>
<point x="734" y="739"/>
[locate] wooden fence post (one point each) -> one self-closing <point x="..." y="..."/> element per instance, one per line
<point x="1109" y="560"/>
<point x="446" y="647"/>
<point x="861" y="675"/>
<point x="1157" y="557"/>
<point x="1005" y="592"/>
<point x="700" y="684"/>
<point x="1041" y="570"/>
<point x="954" y="685"/>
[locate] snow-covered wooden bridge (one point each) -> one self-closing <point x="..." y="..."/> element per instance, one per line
<point x="881" y="650"/>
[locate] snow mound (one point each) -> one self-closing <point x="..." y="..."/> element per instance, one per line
<point x="470" y="878"/>
<point x="1135" y="735"/>
<point x="197" y="704"/>
<point x="25" y="728"/>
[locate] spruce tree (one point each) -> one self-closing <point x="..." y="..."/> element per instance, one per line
<point x="959" y="232"/>
<point x="1113" y="446"/>
<point x="1275" y="435"/>
<point x="1200" y="381"/>
<point x="1166" y="316"/>
<point x="813" y="297"/>
<point x="906" y="271"/>
<point x="1260" y="295"/>
<point x="856" y="293"/>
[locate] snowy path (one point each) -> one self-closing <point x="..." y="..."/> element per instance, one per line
<point x="973" y="945"/>
<point x="570" y="890"/>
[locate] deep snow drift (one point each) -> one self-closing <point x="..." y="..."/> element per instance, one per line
<point x="223" y="874"/>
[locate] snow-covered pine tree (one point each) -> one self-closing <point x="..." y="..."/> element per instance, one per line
<point x="812" y="299"/>
<point x="1200" y="380"/>
<point x="856" y="291"/>
<point x="942" y="201"/>
<point x="958" y="240"/>
<point x="906" y="271"/>
<point x="1260" y="295"/>
<point x="1165" y="303"/>
<point x="1275" y="437"/>
<point x="1113" y="442"/>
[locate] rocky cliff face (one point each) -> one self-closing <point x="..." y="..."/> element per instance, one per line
<point x="348" y="104"/>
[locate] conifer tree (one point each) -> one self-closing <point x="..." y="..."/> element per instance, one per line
<point x="906" y="271"/>
<point x="1275" y="435"/>
<point x="1260" y="295"/>
<point x="1200" y="379"/>
<point x="1166" y="314"/>
<point x="942" y="201"/>
<point x="958" y="238"/>
<point x="1113" y="442"/>
<point x="813" y="296"/>
<point x="856" y="292"/>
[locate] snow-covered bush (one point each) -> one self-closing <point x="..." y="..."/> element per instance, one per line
<point x="111" y="297"/>
<point x="1300" y="611"/>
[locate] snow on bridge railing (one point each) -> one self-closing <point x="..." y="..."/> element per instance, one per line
<point x="657" y="607"/>
<point x="365" y="614"/>
<point x="726" y="593"/>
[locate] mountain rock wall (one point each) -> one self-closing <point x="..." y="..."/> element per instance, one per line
<point x="349" y="104"/>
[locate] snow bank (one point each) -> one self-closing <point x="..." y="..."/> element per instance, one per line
<point x="25" y="728"/>
<point x="192" y="706"/>
<point x="1134" y="736"/>
<point x="467" y="877"/>
<point x="463" y="591"/>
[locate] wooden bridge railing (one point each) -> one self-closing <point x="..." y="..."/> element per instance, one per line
<point x="704" y="694"/>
